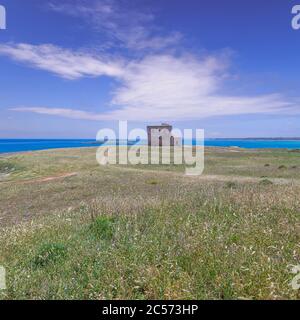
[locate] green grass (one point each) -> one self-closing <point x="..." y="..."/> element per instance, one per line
<point x="147" y="233"/>
<point x="265" y="182"/>
<point x="48" y="253"/>
<point x="152" y="182"/>
<point x="231" y="185"/>
<point x="102" y="228"/>
<point x="7" y="167"/>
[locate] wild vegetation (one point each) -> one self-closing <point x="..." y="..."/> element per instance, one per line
<point x="71" y="229"/>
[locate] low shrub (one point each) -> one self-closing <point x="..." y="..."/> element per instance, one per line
<point x="102" y="227"/>
<point x="282" y="167"/>
<point x="230" y="185"/>
<point x="7" y="167"/>
<point x="265" y="182"/>
<point x="48" y="253"/>
<point x="152" y="182"/>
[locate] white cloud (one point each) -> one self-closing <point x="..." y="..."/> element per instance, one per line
<point x="156" y="86"/>
<point x="181" y="88"/>
<point x="62" y="112"/>
<point x="165" y="80"/>
<point x="62" y="62"/>
<point x="120" y="22"/>
<point x="165" y="87"/>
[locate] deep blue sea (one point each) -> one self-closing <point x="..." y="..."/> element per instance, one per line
<point x="18" y="145"/>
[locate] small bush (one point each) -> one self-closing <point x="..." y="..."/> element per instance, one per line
<point x="294" y="167"/>
<point x="282" y="167"/>
<point x="49" y="253"/>
<point x="102" y="227"/>
<point x="265" y="182"/>
<point x="6" y="167"/>
<point x="152" y="182"/>
<point x="267" y="165"/>
<point x="231" y="185"/>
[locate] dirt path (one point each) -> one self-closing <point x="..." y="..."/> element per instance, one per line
<point x="45" y="179"/>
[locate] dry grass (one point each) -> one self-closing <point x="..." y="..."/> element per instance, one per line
<point x="147" y="233"/>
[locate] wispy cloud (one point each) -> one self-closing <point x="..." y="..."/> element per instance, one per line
<point x="185" y="87"/>
<point x="120" y="22"/>
<point x="62" y="62"/>
<point x="154" y="85"/>
<point x="63" y="112"/>
<point x="175" y="88"/>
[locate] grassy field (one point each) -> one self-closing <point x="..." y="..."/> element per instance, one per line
<point x="71" y="229"/>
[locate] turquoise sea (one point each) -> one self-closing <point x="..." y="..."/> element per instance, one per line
<point x="18" y="145"/>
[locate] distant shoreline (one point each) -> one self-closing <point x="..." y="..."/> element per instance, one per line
<point x="258" y="139"/>
<point x="17" y="146"/>
<point x="8" y="154"/>
<point x="94" y="140"/>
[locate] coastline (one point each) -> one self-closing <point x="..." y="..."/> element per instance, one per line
<point x="229" y="148"/>
<point x="10" y="147"/>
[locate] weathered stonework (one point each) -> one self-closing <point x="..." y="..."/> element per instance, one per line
<point x="162" y="136"/>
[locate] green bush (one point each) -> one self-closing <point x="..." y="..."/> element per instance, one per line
<point x="49" y="253"/>
<point x="7" y="167"/>
<point x="103" y="227"/>
<point x="282" y="167"/>
<point x="152" y="182"/>
<point x="265" y="182"/>
<point x="231" y="185"/>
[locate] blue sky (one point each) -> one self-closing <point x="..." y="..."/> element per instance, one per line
<point x="70" y="68"/>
